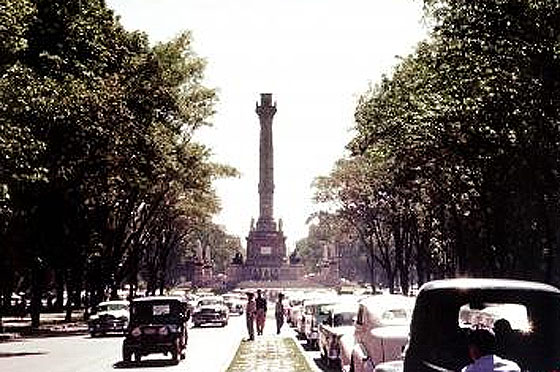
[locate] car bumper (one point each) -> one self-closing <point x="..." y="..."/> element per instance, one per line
<point x="201" y="319"/>
<point x="106" y="327"/>
<point x="150" y="347"/>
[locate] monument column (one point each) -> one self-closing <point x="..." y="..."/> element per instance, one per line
<point x="266" y="111"/>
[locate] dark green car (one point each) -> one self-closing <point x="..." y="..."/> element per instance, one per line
<point x="157" y="325"/>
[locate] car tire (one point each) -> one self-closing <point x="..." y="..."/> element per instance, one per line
<point x="224" y="324"/>
<point x="196" y="325"/>
<point x="137" y="357"/>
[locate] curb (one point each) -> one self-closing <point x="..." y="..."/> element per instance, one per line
<point x="310" y="362"/>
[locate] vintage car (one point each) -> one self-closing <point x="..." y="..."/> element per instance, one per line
<point x="315" y="312"/>
<point x="525" y="317"/>
<point x="211" y="310"/>
<point x="339" y="322"/>
<point x="158" y="324"/>
<point x="109" y="317"/>
<point x="235" y="303"/>
<point x="380" y="332"/>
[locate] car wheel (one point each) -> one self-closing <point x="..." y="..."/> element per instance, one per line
<point x="93" y="335"/>
<point x="224" y="324"/>
<point x="137" y="357"/>
<point x="196" y="325"/>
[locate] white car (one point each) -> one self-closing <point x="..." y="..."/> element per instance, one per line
<point x="109" y="317"/>
<point x="211" y="310"/>
<point x="380" y="332"/>
<point x="338" y="323"/>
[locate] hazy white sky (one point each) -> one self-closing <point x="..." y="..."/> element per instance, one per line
<point x="315" y="56"/>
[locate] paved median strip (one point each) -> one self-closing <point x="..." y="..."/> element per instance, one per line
<point x="269" y="353"/>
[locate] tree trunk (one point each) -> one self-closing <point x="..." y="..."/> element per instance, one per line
<point x="59" y="279"/>
<point x="36" y="294"/>
<point x="70" y="289"/>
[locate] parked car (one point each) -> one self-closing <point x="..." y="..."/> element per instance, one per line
<point x="339" y="322"/>
<point x="380" y="332"/>
<point x="157" y="325"/>
<point x="447" y="311"/>
<point x="211" y="310"/>
<point x="316" y="311"/>
<point x="109" y="317"/>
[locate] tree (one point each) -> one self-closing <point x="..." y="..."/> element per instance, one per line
<point x="97" y="127"/>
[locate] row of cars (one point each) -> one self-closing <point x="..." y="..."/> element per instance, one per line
<point x="205" y="308"/>
<point x="429" y="333"/>
<point x="353" y="332"/>
<point x="159" y="324"/>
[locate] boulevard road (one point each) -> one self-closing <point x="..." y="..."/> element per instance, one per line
<point x="209" y="349"/>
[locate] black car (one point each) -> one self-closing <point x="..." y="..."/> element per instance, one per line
<point x="525" y="317"/>
<point x="157" y="325"/>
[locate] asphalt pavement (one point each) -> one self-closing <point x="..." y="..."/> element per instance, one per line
<point x="209" y="349"/>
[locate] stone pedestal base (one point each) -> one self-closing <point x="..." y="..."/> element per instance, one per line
<point x="266" y="249"/>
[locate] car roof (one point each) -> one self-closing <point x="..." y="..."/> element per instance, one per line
<point x="211" y="298"/>
<point x="114" y="302"/>
<point x="345" y="307"/>
<point x="322" y="301"/>
<point x="158" y="298"/>
<point x="480" y="283"/>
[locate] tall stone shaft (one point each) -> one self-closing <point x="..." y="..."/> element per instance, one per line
<point x="266" y="111"/>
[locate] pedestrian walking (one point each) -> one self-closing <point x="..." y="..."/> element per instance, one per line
<point x="279" y="313"/>
<point x="261" y="312"/>
<point x="250" y="313"/>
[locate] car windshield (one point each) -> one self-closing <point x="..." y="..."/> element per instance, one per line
<point x="156" y="312"/>
<point x="526" y="325"/>
<point x="210" y="302"/>
<point x="111" y="307"/>
<point x="344" y="319"/>
<point x="397" y="316"/>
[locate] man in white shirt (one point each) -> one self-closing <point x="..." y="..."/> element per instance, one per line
<point x="482" y="343"/>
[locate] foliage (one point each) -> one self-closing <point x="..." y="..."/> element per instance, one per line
<point x="456" y="153"/>
<point x="100" y="170"/>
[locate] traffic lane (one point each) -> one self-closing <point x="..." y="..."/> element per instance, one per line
<point x="209" y="349"/>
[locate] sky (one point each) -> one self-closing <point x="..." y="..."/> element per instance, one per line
<point x="315" y="56"/>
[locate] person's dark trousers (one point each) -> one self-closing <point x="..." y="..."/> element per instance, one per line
<point x="251" y="327"/>
<point x="279" y="324"/>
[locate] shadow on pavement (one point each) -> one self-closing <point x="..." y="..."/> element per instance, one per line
<point x="323" y="365"/>
<point x="145" y="364"/>
<point x="21" y="353"/>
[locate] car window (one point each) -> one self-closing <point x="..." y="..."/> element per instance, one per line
<point x="398" y="316"/>
<point x="487" y="315"/>
<point x="148" y="312"/>
<point x="115" y="307"/>
<point x="344" y="319"/>
<point x="210" y="302"/>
